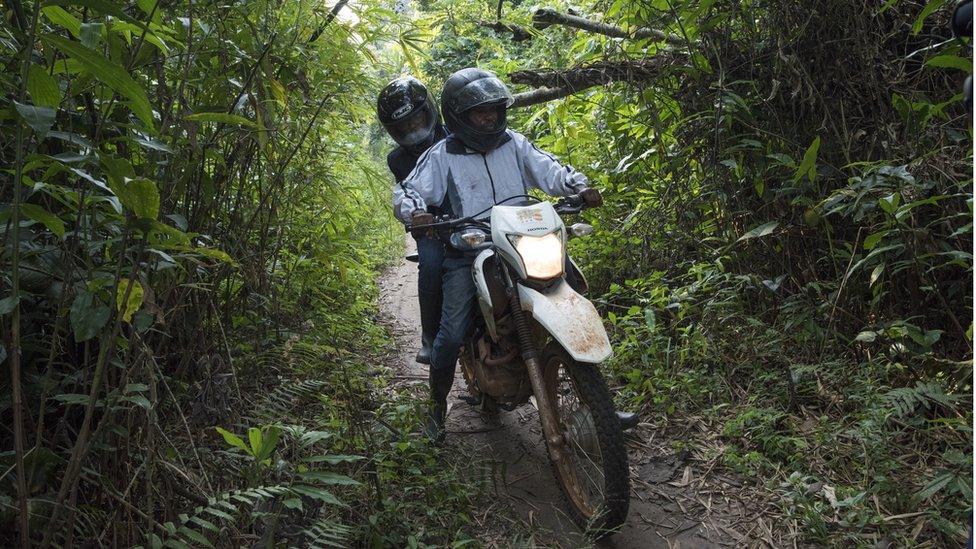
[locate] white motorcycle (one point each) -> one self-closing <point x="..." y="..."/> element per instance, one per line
<point x="537" y="336"/>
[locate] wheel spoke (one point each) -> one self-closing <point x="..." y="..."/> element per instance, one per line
<point x="585" y="472"/>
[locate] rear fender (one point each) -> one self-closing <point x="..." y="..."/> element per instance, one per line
<point x="571" y="319"/>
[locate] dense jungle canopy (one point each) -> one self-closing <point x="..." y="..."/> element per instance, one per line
<point x="195" y="208"/>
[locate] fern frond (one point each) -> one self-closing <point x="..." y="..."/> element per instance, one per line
<point x="327" y="533"/>
<point x="905" y="401"/>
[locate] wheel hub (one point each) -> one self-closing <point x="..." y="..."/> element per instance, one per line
<point x="581" y="432"/>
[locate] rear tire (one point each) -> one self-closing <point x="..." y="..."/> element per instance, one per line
<point x="594" y="475"/>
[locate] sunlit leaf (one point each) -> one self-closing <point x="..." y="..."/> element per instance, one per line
<point x="127" y="307"/>
<point x="39" y="214"/>
<point x="43" y="87"/>
<point x="760" y="231"/>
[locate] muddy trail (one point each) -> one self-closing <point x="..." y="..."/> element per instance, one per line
<point x="677" y="500"/>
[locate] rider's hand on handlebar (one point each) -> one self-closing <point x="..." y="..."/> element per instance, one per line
<point x="591" y="197"/>
<point x="421" y="218"/>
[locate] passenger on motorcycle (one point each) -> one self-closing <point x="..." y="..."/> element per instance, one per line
<point x="409" y="114"/>
<point x="481" y="163"/>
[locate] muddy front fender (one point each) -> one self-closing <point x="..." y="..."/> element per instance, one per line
<point x="570" y="318"/>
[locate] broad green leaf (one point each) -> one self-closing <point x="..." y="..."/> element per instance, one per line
<point x="169" y="238"/>
<point x="808" y="166"/>
<point x="872" y="240"/>
<point x="138" y="400"/>
<point x="39" y="214"/>
<point x="317" y="493"/>
<point x="73" y="398"/>
<point x="293" y="503"/>
<point x="195" y="536"/>
<point x="153" y="144"/>
<point x="139" y="195"/>
<point x="269" y="441"/>
<point x="233" y="439"/>
<point x="175" y="544"/>
<point x="206" y="524"/>
<point x="890" y="203"/>
<point x="254" y="436"/>
<point x="876" y="274"/>
<point x="43" y="87"/>
<point x="102" y="6"/>
<point x="934" y="486"/>
<point x="59" y="16"/>
<point x="71" y="138"/>
<point x="866" y="336"/>
<point x="111" y="74"/>
<point x="40" y="119"/>
<point x="951" y="62"/>
<point x="222" y="118"/>
<point x="88" y="316"/>
<point x="132" y="304"/>
<point x="929" y="9"/>
<point x="760" y="231"/>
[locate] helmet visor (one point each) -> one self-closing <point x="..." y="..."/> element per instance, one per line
<point x="483" y="91"/>
<point x="414" y="128"/>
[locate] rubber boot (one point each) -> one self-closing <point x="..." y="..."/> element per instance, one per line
<point x="423" y="355"/>
<point x="440" y="385"/>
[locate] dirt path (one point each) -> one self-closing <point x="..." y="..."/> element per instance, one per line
<point x="675" y="502"/>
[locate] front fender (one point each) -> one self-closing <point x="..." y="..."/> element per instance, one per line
<point x="571" y="319"/>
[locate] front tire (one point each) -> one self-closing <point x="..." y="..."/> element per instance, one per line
<point x="593" y="474"/>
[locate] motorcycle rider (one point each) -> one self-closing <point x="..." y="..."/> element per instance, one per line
<point x="409" y="114"/>
<point x="481" y="163"/>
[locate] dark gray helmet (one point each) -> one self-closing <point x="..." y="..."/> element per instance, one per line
<point x="408" y="113"/>
<point x="470" y="88"/>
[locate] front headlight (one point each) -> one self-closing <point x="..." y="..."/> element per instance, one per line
<point x="542" y="255"/>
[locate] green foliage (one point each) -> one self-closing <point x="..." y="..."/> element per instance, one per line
<point x="785" y="251"/>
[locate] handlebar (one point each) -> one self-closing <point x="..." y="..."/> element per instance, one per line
<point x="567" y="205"/>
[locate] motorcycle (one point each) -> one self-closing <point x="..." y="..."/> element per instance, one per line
<point x="538" y="338"/>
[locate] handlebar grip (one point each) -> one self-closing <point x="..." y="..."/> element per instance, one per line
<point x="573" y="200"/>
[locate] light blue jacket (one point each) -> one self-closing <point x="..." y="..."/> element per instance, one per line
<point x="474" y="182"/>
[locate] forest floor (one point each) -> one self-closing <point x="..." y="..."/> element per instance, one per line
<point x="678" y="499"/>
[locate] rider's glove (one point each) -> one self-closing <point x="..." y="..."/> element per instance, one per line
<point x="591" y="197"/>
<point x="421" y="218"/>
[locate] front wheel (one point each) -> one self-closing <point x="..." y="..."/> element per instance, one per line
<point x="593" y="472"/>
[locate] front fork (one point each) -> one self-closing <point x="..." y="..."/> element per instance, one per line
<point x="530" y="356"/>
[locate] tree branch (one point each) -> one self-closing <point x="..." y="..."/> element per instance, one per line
<point x="587" y="76"/>
<point x="540" y="95"/>
<point x="519" y="34"/>
<point x="545" y="17"/>
<point x="332" y="15"/>
<point x="557" y="84"/>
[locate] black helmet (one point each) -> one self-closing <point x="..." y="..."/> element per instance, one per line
<point x="408" y="113"/>
<point x="470" y="88"/>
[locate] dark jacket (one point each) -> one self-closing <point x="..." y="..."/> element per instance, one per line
<point x="401" y="162"/>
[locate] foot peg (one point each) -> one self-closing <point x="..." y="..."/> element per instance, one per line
<point x="628" y="420"/>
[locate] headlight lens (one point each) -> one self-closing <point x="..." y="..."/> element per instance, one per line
<point x="542" y="255"/>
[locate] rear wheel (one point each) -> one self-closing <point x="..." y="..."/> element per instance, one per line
<point x="593" y="472"/>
